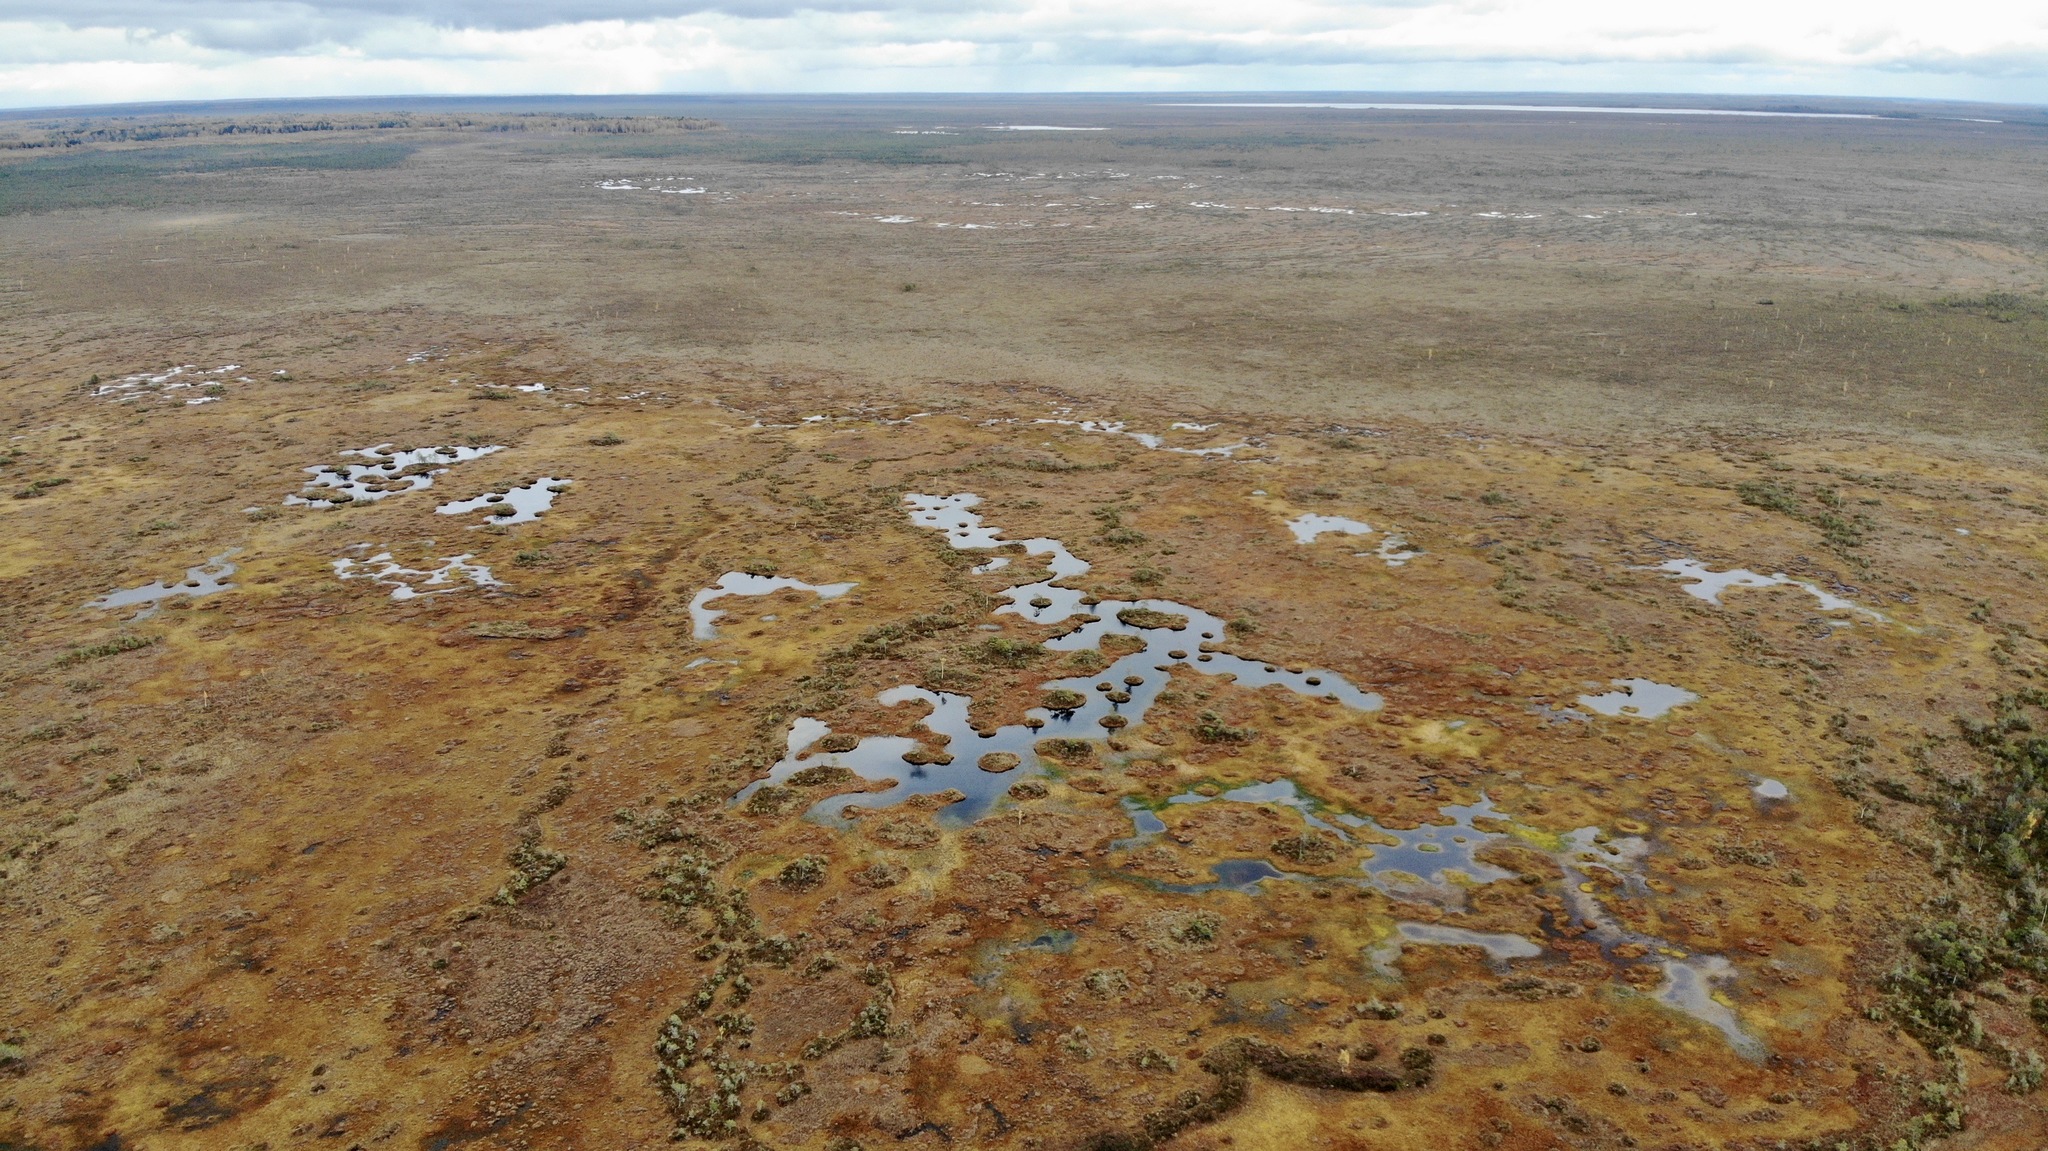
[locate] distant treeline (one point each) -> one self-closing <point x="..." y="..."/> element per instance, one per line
<point x="77" y="133"/>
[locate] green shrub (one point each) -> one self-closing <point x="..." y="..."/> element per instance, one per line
<point x="773" y="799"/>
<point x="802" y="874"/>
<point x="114" y="646"/>
<point x="1145" y="617"/>
<point x="532" y="865"/>
<point x="1212" y="729"/>
<point x="2027" y="1071"/>
<point x="1065" y="748"/>
<point x="1198" y="929"/>
<point x="1768" y="496"/>
<point x="1006" y="652"/>
<point x="1312" y="848"/>
<point x="1376" y="1008"/>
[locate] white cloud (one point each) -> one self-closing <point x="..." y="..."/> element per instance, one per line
<point x="98" y="51"/>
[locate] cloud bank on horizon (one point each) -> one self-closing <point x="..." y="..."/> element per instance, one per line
<point x="100" y="51"/>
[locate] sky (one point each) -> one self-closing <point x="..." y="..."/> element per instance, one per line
<point x="65" y="52"/>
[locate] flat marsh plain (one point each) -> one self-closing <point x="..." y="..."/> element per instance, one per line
<point x="398" y="827"/>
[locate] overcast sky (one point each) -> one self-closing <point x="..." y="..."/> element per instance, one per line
<point x="55" y="52"/>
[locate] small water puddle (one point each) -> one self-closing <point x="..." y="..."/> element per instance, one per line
<point x="1393" y="548"/>
<point x="704" y="618"/>
<point x="1638" y="699"/>
<point x="1689" y="980"/>
<point x="1435" y="856"/>
<point x="1150" y="440"/>
<point x="1277" y="792"/>
<point x="1499" y="946"/>
<point x="134" y="387"/>
<point x="1708" y="584"/>
<point x="1241" y="875"/>
<point x="1307" y="527"/>
<point x="391" y="473"/>
<point x="1142" y="820"/>
<point x="410" y="583"/>
<point x="519" y="504"/>
<point x="204" y="580"/>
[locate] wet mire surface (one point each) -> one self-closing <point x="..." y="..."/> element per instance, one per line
<point x="1254" y="789"/>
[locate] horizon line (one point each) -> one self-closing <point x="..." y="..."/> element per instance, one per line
<point x="1604" y="101"/>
